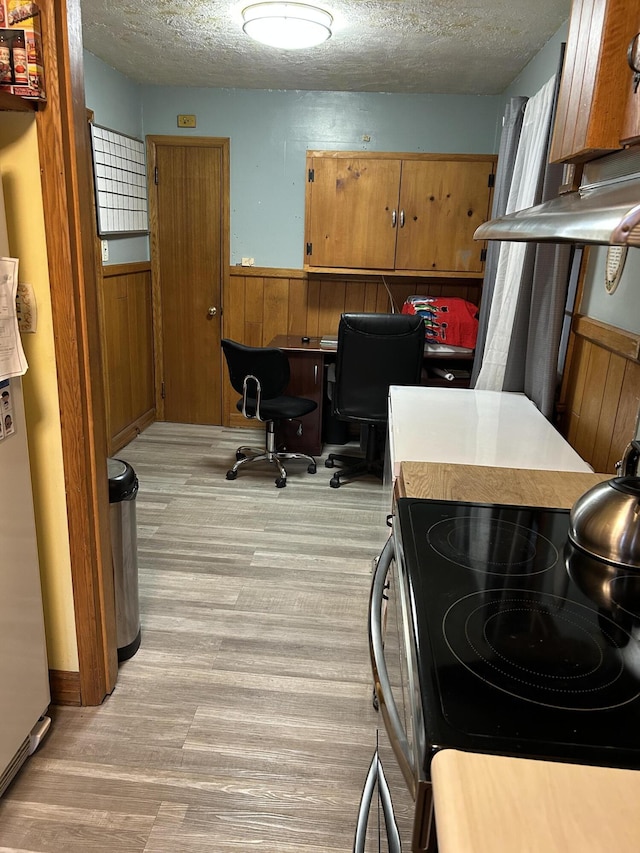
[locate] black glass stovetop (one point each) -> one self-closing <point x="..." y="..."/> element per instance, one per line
<point x="525" y="646"/>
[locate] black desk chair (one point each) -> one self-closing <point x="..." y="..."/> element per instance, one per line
<point x="261" y="374"/>
<point x="374" y="352"/>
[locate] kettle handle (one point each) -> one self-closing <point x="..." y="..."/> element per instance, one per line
<point x="628" y="465"/>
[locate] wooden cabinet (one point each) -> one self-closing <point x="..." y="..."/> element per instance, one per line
<point x="307" y="380"/>
<point x="597" y="108"/>
<point x="410" y="214"/>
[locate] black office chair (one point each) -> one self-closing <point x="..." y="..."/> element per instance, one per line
<point x="261" y="374"/>
<point x="374" y="352"/>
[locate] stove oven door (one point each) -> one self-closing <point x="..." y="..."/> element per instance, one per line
<point x="396" y="805"/>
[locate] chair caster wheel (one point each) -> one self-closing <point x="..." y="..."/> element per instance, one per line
<point x="231" y="475"/>
<point x="240" y="456"/>
<point x="334" y="482"/>
<point x="329" y="463"/>
<point x="311" y="469"/>
<point x="281" y="482"/>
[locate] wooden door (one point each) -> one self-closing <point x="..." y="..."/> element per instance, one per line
<point x="352" y="206"/>
<point x="190" y="237"/>
<point x="442" y="202"/>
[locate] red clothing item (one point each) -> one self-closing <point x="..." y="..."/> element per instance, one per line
<point x="447" y="320"/>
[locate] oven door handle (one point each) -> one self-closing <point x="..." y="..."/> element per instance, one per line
<point x="393" y="835"/>
<point x="376" y="773"/>
<point x="365" y="805"/>
<point x="388" y="707"/>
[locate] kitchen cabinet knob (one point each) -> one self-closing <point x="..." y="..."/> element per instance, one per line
<point x="402" y="218"/>
<point x="212" y="311"/>
<point x="394" y="219"/>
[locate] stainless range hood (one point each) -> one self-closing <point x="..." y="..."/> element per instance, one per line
<point x="605" y="209"/>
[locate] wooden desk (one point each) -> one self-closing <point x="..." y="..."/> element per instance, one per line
<point x="307" y="362"/>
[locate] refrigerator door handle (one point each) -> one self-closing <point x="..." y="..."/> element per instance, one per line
<point x="384" y="693"/>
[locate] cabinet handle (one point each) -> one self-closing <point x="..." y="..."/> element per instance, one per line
<point x="315" y="374"/>
<point x="402" y="218"/>
<point x="394" y="219"/>
<point x="212" y="311"/>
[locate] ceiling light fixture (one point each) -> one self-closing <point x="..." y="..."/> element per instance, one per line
<point x="290" y="26"/>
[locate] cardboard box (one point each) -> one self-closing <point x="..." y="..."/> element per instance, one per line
<point x="17" y="19"/>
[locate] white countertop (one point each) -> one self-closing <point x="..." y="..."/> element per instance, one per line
<point x="468" y="427"/>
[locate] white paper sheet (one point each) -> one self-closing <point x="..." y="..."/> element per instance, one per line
<point x="12" y="357"/>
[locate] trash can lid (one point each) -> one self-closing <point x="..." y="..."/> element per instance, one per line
<point x="122" y="480"/>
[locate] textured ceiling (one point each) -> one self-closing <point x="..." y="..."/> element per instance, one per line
<point x="441" y="46"/>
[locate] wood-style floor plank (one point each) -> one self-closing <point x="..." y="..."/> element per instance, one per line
<point x="244" y="721"/>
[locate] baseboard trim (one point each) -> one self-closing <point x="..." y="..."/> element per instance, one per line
<point x="65" y="687"/>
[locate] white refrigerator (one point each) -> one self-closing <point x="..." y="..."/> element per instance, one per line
<point x="24" y="678"/>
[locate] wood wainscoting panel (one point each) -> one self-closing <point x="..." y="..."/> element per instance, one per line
<point x="601" y="392"/>
<point x="260" y="303"/>
<point x="127" y="331"/>
<point x="65" y="687"/>
<point x="627" y="413"/>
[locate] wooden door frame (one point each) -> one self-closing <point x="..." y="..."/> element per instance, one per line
<point x="223" y="144"/>
<point x="65" y="164"/>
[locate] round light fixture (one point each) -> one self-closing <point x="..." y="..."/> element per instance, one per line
<point x="290" y="26"/>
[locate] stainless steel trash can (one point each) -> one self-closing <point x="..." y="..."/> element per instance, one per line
<point x="123" y="488"/>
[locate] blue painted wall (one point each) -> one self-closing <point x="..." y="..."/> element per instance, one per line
<point x="270" y="132"/>
<point x="541" y="68"/>
<point x="117" y="104"/>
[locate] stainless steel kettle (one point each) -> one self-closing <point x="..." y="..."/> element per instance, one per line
<point x="605" y="521"/>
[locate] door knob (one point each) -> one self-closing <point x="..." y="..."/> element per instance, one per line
<point x="212" y="311"/>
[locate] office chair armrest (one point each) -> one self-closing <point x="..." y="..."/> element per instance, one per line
<point x="258" y="396"/>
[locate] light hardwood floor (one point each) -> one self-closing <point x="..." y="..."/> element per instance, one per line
<point x="244" y="722"/>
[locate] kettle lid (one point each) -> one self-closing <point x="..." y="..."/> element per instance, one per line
<point x="628" y="485"/>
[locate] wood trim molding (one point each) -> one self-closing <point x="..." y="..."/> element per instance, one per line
<point x="132" y="431"/>
<point x="64" y="151"/>
<point x="426" y="274"/>
<point x="400" y="155"/>
<point x="65" y="687"/>
<point x="112" y="270"/>
<point x="266" y="272"/>
<point x="618" y="341"/>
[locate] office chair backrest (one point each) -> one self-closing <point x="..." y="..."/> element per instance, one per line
<point x="374" y="352"/>
<point x="270" y="366"/>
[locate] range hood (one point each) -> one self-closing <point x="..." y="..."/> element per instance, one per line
<point x="604" y="210"/>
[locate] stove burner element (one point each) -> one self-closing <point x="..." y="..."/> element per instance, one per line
<point x="542" y="648"/>
<point x="492" y="546"/>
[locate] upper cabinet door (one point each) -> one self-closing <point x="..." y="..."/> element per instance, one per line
<point x="597" y="107"/>
<point x="442" y="202"/>
<point x="352" y="211"/>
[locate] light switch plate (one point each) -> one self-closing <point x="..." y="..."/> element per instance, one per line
<point x="186" y="121"/>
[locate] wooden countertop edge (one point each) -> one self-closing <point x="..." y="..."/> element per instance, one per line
<point x="485" y="484"/>
<point x="497" y="804"/>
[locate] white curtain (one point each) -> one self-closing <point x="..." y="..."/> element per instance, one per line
<point x="525" y="188"/>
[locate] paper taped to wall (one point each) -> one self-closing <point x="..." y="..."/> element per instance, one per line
<point x="12" y="358"/>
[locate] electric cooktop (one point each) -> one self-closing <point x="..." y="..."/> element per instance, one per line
<point x="524" y="645"/>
